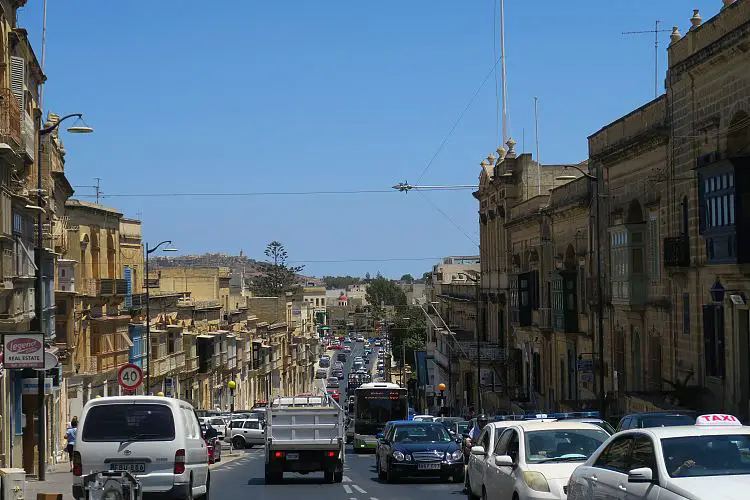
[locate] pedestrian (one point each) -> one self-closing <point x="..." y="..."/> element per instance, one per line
<point x="70" y="438"/>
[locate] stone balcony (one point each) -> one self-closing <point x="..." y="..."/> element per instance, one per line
<point x="169" y="364"/>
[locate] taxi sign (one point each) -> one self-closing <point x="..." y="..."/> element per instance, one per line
<point x="718" y="419"/>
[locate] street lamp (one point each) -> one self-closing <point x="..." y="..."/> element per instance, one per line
<point x="599" y="287"/>
<point x="232" y="385"/>
<point x="441" y="388"/>
<point x="149" y="251"/>
<point x="39" y="278"/>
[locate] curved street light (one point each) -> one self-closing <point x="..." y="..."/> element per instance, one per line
<point x="39" y="280"/>
<point x="149" y="251"/>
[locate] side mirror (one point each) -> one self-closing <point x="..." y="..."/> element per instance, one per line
<point x="641" y="475"/>
<point x="478" y="451"/>
<point x="504" y="461"/>
<point x="380" y="435"/>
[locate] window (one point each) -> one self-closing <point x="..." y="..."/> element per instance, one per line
<point x="643" y="454"/>
<point x="120" y="422"/>
<point x="686" y="313"/>
<point x="252" y="424"/>
<point x="616" y="456"/>
<point x="653" y="245"/>
<point x="718" y="197"/>
<point x="628" y="263"/>
<point x="713" y="339"/>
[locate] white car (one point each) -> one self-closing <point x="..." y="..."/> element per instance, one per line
<point x="423" y="418"/>
<point x="156" y="439"/>
<point x="533" y="460"/>
<point x="478" y="462"/>
<point x="245" y="433"/>
<point x="706" y="461"/>
<point x="217" y="423"/>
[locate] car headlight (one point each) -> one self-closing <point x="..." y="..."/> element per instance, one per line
<point x="397" y="455"/>
<point x="536" y="481"/>
<point x="456" y="455"/>
<point x="408" y="457"/>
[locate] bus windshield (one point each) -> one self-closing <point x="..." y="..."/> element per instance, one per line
<point x="375" y="407"/>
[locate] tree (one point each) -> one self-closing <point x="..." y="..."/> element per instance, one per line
<point x="367" y="278"/>
<point x="333" y="282"/>
<point x="386" y="292"/>
<point x="276" y="277"/>
<point x="407" y="278"/>
<point x="408" y="333"/>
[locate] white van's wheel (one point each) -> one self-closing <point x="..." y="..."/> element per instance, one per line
<point x="189" y="493"/>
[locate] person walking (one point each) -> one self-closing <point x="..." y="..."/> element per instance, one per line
<point x="70" y="438"/>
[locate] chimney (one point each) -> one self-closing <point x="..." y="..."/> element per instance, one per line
<point x="675" y="36"/>
<point x="696" y="19"/>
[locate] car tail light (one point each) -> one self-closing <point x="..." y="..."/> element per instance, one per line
<point x="77" y="465"/>
<point x="279" y="454"/>
<point x="179" y="462"/>
<point x="331" y="453"/>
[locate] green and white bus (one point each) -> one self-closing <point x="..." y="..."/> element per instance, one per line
<point x="375" y="404"/>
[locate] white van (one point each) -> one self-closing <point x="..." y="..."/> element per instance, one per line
<point x="157" y="439"/>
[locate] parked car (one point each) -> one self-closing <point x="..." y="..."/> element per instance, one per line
<point x="214" y="450"/>
<point x="156" y="439"/>
<point x="217" y="423"/>
<point x="246" y="433"/>
<point x="418" y="449"/>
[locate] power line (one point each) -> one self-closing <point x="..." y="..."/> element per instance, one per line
<point x="265" y="193"/>
<point x="458" y="120"/>
<point x="392" y="259"/>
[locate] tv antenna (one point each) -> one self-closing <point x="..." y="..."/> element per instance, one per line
<point x="96" y="188"/>
<point x="656" y="32"/>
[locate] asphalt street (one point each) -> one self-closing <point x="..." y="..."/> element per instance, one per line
<point x="243" y="478"/>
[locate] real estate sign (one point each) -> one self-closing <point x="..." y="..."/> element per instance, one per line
<point x="23" y="350"/>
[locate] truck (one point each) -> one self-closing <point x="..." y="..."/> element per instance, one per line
<point x="304" y="434"/>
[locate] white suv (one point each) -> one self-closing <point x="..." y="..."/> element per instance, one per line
<point x="245" y="433"/>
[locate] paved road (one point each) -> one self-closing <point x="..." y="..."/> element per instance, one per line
<point x="243" y="478"/>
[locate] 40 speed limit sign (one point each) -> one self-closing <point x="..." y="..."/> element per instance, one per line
<point x="130" y="377"/>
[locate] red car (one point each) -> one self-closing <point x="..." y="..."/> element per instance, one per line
<point x="336" y="347"/>
<point x="214" y="450"/>
<point x="335" y="395"/>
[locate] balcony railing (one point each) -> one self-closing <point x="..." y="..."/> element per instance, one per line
<point x="113" y="287"/>
<point x="191" y="364"/>
<point x="676" y="251"/>
<point x="543" y="318"/>
<point x="487" y="351"/>
<point x="168" y="364"/>
<point x="10" y="119"/>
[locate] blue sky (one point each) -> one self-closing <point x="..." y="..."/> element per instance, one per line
<point x="295" y="95"/>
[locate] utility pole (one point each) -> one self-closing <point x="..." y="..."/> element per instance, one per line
<point x="656" y="32"/>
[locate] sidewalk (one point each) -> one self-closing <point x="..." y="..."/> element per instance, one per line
<point x="60" y="480"/>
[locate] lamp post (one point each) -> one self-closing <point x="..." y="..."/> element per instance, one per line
<point x="232" y="385"/>
<point x="39" y="281"/>
<point x="600" y="298"/>
<point x="149" y="251"/>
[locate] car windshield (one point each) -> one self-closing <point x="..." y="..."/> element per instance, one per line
<point x="421" y="434"/>
<point x="701" y="456"/>
<point x="129" y="422"/>
<point x="569" y="445"/>
<point x="666" y="420"/>
<point x="216" y="421"/>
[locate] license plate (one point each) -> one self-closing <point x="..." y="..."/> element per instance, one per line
<point x="292" y="456"/>
<point x="428" y="466"/>
<point x="130" y="467"/>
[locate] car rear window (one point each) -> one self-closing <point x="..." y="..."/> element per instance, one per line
<point x="667" y="420"/>
<point x="129" y="422"/>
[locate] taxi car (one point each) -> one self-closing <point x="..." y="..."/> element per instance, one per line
<point x="533" y="460"/>
<point x="705" y="461"/>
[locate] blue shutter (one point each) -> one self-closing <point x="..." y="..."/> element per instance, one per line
<point x="129" y="295"/>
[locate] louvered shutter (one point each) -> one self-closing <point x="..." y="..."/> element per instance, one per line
<point x="709" y="339"/>
<point x="18" y="79"/>
<point x="701" y="205"/>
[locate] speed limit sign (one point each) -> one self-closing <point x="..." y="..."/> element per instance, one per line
<point x="130" y="377"/>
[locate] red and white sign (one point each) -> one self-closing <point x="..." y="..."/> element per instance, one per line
<point x="130" y="377"/>
<point x="718" y="419"/>
<point x="23" y="350"/>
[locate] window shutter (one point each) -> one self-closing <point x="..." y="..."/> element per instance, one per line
<point x="719" y="311"/>
<point x="701" y="205"/>
<point x="18" y="79"/>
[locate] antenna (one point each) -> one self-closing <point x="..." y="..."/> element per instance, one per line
<point x="97" y="189"/>
<point x="536" y="139"/>
<point x="656" y="32"/>
<point x="44" y="50"/>
<point x="502" y="62"/>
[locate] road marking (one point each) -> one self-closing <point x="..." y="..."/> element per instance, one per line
<point x="347" y="489"/>
<point x="358" y="489"/>
<point x="346" y="479"/>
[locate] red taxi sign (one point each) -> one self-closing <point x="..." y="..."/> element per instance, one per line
<point x="718" y="419"/>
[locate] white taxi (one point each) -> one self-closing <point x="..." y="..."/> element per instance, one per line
<point x="706" y="461"/>
<point x="533" y="460"/>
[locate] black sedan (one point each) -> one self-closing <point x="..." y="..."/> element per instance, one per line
<point x="411" y="448"/>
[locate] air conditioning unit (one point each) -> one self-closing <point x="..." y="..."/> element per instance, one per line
<point x="13" y="481"/>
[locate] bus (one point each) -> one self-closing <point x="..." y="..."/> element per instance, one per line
<point x="376" y="403"/>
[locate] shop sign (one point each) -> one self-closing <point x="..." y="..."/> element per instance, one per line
<point x="23" y="350"/>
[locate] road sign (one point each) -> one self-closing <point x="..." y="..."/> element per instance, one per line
<point x="130" y="377"/>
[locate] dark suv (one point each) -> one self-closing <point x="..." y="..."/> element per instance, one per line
<point x="656" y="419"/>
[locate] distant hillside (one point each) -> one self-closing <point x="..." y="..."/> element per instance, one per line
<point x="237" y="263"/>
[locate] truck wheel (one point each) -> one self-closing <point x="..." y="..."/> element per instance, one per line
<point x="328" y="475"/>
<point x="338" y="474"/>
<point x="273" y="476"/>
